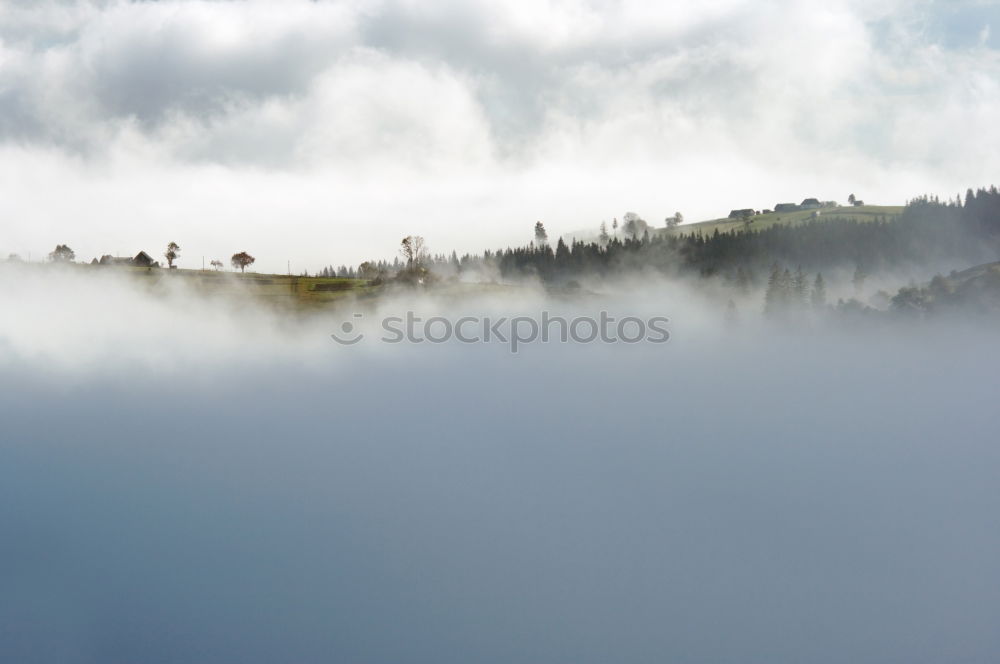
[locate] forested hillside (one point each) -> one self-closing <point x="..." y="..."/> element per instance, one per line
<point x="927" y="231"/>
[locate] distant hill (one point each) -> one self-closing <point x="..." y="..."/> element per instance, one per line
<point x="862" y="213"/>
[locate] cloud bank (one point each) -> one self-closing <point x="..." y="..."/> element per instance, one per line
<point x="179" y="483"/>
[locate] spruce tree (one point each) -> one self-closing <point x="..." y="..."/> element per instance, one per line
<point x="800" y="287"/>
<point x="603" y="237"/>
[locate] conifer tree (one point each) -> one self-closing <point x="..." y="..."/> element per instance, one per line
<point x="800" y="287"/>
<point x="603" y="236"/>
<point x="562" y="253"/>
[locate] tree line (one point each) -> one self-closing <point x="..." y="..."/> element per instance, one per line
<point x="63" y="253"/>
<point x="927" y="229"/>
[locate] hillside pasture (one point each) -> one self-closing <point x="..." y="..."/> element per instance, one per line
<point x="863" y="214"/>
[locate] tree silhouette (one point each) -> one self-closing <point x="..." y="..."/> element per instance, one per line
<point x="634" y="225"/>
<point x="62" y="254"/>
<point x="781" y="292"/>
<point x="413" y="250"/>
<point x="800" y="287"/>
<point x="368" y="270"/>
<point x="172" y="253"/>
<point x="541" y="236"/>
<point x="562" y="251"/>
<point x="242" y="260"/>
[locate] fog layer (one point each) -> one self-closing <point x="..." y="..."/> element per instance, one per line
<point x="739" y="497"/>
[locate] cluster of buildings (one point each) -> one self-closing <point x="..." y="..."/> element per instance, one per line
<point x="141" y="259"/>
<point x="807" y="204"/>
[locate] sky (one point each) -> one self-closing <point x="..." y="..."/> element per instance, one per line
<point x="317" y="133"/>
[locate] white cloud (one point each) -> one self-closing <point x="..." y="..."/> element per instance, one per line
<point x="355" y="123"/>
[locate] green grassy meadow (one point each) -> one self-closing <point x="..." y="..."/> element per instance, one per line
<point x="290" y="291"/>
<point x="863" y="213"/>
<point x="279" y="289"/>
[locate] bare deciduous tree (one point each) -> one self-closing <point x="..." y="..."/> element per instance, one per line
<point x="413" y="250"/>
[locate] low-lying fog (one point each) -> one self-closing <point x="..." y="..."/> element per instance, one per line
<point x="187" y="480"/>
